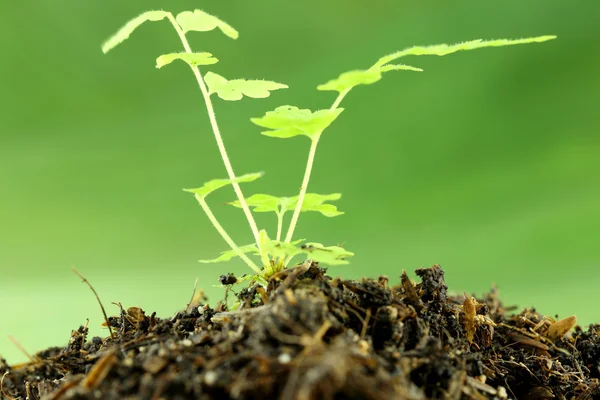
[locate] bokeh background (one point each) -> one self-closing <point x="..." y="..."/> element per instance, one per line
<point x="486" y="163"/>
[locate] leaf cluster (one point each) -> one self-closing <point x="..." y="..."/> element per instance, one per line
<point x="283" y="122"/>
<point x="348" y="80"/>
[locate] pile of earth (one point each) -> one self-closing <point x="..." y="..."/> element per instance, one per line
<point x="310" y="336"/>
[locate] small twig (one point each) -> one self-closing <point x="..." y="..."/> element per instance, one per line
<point x="286" y="337"/>
<point x="322" y="331"/>
<point x="2" y="388"/>
<point x="291" y="275"/>
<point x="124" y="318"/>
<point x="363" y="331"/>
<point x="356" y="314"/>
<point x="112" y="335"/>
<point x="189" y="306"/>
<point x="83" y="337"/>
<point x="20" y="347"/>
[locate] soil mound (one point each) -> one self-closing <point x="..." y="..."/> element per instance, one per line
<point x="309" y="336"/>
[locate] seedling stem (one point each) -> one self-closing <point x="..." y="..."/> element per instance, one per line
<point x="307" y="172"/>
<point x="226" y="236"/>
<point x="215" y="128"/>
<point x="279" y="225"/>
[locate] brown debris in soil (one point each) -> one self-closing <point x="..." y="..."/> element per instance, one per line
<point x="308" y="336"/>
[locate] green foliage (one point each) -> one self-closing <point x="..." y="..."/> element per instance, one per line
<point x="192" y="59"/>
<point x="316" y="202"/>
<point x="201" y="21"/>
<point x="263" y="203"/>
<point x="196" y="20"/>
<point x="278" y="249"/>
<point x="229" y="254"/>
<point x="445" y="49"/>
<point x="127" y="29"/>
<point x="290" y="121"/>
<point x="215" y="184"/>
<point x="347" y="80"/>
<point x="332" y="255"/>
<point x="283" y="122"/>
<point x="281" y="205"/>
<point x="236" y="89"/>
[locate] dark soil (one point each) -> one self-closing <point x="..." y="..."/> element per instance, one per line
<point x="309" y="336"/>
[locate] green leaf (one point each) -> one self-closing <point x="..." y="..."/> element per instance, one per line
<point x="444" y="49"/>
<point x="215" y="184"/>
<point x="201" y="21"/>
<point x="229" y="254"/>
<point x="332" y="255"/>
<point x="312" y="202"/>
<point x="348" y="80"/>
<point x="290" y="121"/>
<point x="238" y="88"/>
<point x="127" y="29"/>
<point x="261" y="203"/>
<point x="316" y="202"/>
<point x="192" y="59"/>
<point x="399" y="67"/>
<point x="244" y="278"/>
<point x="279" y="249"/>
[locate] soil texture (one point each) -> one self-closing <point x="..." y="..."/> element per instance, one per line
<point x="309" y="336"/>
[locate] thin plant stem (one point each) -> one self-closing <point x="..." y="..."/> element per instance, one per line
<point x="20" y="347"/>
<point x="287" y="261"/>
<point x="307" y="173"/>
<point x="279" y="225"/>
<point x="213" y="122"/>
<point x="84" y="280"/>
<point x="339" y="99"/>
<point x="226" y="236"/>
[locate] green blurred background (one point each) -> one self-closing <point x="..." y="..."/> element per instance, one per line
<point x="486" y="163"/>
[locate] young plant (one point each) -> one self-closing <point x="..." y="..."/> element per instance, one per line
<point x="284" y="122"/>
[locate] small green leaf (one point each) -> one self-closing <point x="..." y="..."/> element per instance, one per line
<point x="312" y="202"/>
<point x="127" y="29"/>
<point x="316" y="202"/>
<point x="332" y="255"/>
<point x="215" y="184"/>
<point x="261" y="203"/>
<point x="245" y="278"/>
<point x="399" y="67"/>
<point x="348" y="80"/>
<point x="278" y="249"/>
<point x="229" y="254"/>
<point x="238" y="88"/>
<point x="290" y="121"/>
<point x="444" y="49"/>
<point x="192" y="59"/>
<point x="201" y="21"/>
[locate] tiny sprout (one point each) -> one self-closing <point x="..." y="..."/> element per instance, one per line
<point x="284" y="122"/>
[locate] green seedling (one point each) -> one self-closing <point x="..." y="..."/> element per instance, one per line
<point x="284" y="122"/>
